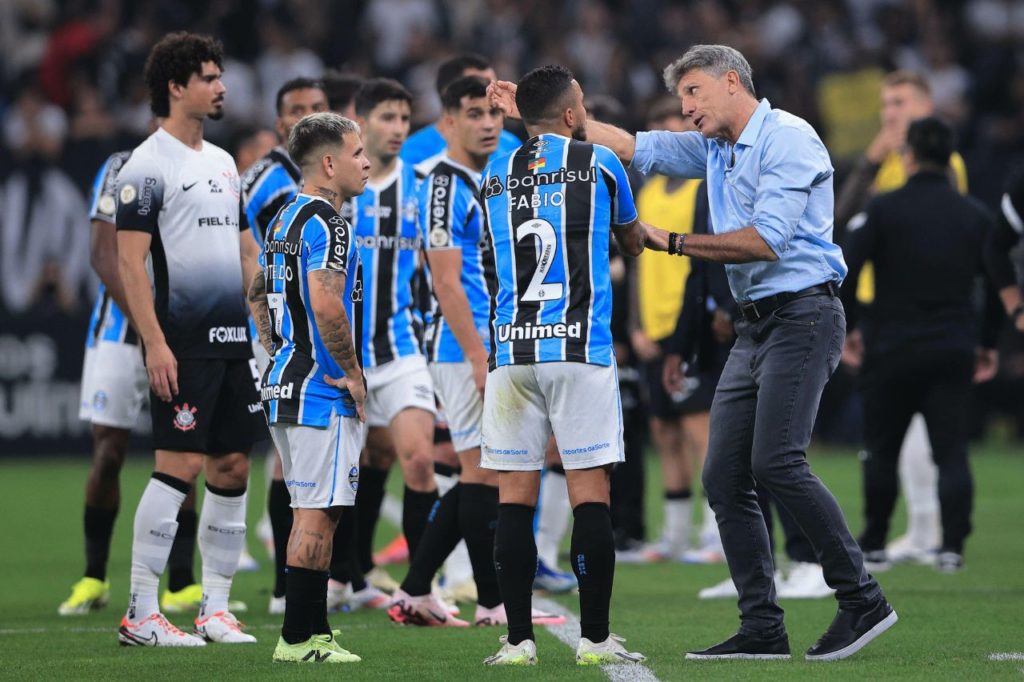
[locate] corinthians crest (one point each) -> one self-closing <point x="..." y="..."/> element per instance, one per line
<point x="185" y="417"/>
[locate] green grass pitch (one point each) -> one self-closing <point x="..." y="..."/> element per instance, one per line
<point x="949" y="625"/>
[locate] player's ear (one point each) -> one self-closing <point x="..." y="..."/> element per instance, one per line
<point x="327" y="165"/>
<point x="569" y="118"/>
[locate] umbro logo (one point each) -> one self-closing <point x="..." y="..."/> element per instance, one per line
<point x="317" y="656"/>
<point x="185" y="188"/>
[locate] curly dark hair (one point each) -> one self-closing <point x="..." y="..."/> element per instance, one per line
<point x="175" y="58"/>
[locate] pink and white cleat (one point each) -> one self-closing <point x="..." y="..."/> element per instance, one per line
<point x="424" y="611"/>
<point x="154" y="630"/>
<point x="496" y="616"/>
<point x="222" y="627"/>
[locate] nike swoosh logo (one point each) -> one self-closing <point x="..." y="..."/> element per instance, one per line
<point x="443" y="619"/>
<point x="185" y="188"/>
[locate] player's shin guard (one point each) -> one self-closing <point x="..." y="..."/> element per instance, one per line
<point x="416" y="507"/>
<point x="154" y="530"/>
<point x="179" y="564"/>
<point x="221" y="539"/>
<point x="553" y="516"/>
<point x="439" y="538"/>
<point x="478" y="514"/>
<point x="305" y="598"/>
<point x="368" y="503"/>
<point x="515" y="560"/>
<point x="280" y="511"/>
<point x="592" y="552"/>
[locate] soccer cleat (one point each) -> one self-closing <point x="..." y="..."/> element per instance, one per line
<point x="190" y="598"/>
<point x="367" y="598"/>
<point x="704" y="555"/>
<point x="851" y="631"/>
<point x="608" y="651"/>
<point x="805" y="581"/>
<point x="662" y="551"/>
<point x="222" y="627"/>
<point x="88" y="594"/>
<point x="155" y="630"/>
<point x="247" y="562"/>
<point x="464" y="591"/>
<point x="497" y="616"/>
<point x="425" y="611"/>
<point x="396" y="552"/>
<point x="316" y="649"/>
<point x="552" y="580"/>
<point x="335" y="595"/>
<point x="524" y="653"/>
<point x="903" y="550"/>
<point x="382" y="580"/>
<point x="877" y="560"/>
<point x="276" y="606"/>
<point x="949" y="562"/>
<point x="741" y="647"/>
<point x="723" y="590"/>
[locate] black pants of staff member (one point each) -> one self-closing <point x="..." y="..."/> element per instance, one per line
<point x="627" y="485"/>
<point x="895" y="387"/>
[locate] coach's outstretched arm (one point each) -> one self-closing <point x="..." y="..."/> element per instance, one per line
<point x="745" y="245"/>
<point x="326" y="298"/>
<point x="161" y="365"/>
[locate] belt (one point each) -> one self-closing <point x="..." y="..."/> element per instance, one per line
<point x="752" y="311"/>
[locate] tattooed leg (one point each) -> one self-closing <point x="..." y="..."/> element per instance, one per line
<point x="310" y="543"/>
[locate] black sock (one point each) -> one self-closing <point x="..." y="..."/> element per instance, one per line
<point x="181" y="559"/>
<point x="439" y="539"/>
<point x="681" y="494"/>
<point x="593" y="561"/>
<point x="305" y="591"/>
<point x="515" y="560"/>
<point x="478" y="514"/>
<point x="415" y="508"/>
<point x="99" y="527"/>
<point x="341" y="552"/>
<point x="279" y="508"/>
<point x="368" y="501"/>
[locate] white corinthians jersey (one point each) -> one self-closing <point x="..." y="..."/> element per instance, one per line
<point x="188" y="200"/>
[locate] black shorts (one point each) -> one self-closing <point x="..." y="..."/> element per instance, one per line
<point x="695" y="398"/>
<point x="217" y="409"/>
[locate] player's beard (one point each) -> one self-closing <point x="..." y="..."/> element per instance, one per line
<point x="217" y="113"/>
<point x="579" y="133"/>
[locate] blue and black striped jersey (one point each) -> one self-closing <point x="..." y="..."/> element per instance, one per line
<point x="549" y="208"/>
<point x="307" y="235"/>
<point x="107" y="322"/>
<point x="267" y="185"/>
<point x="450" y="218"/>
<point x="387" y="235"/>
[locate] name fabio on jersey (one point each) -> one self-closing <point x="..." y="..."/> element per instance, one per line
<point x="534" y="332"/>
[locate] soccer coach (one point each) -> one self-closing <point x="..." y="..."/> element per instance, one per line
<point x="769" y="182"/>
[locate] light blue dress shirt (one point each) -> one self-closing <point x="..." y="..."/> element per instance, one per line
<point x="780" y="183"/>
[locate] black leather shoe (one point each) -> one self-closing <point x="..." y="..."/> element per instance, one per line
<point x="851" y="631"/>
<point x="745" y="647"/>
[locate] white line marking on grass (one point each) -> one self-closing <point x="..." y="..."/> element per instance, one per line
<point x="113" y="629"/>
<point x="568" y="634"/>
<point x="1007" y="656"/>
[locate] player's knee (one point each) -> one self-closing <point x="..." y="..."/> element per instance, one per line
<point x="228" y="471"/>
<point x="418" y="469"/>
<point x="109" y="446"/>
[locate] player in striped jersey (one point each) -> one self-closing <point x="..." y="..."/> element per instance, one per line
<point x="550" y="210"/>
<point x="114" y="388"/>
<point x="307" y="306"/>
<point x="400" y="398"/>
<point x="267" y="186"/>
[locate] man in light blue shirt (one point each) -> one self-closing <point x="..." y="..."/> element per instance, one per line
<point x="769" y="184"/>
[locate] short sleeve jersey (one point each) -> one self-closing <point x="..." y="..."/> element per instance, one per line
<point x="189" y="201"/>
<point x="451" y="218"/>
<point x="388" y="237"/>
<point x="308" y="235"/>
<point x="549" y="208"/>
<point x="267" y="185"/>
<point x="107" y="322"/>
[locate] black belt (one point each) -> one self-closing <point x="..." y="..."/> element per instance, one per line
<point x="753" y="311"/>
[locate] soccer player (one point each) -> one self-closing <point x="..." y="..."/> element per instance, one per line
<point x="550" y="209"/>
<point x="271" y="183"/>
<point x="341" y="89"/>
<point x="114" y="388"/>
<point x="400" y="398"/>
<point x="427" y="146"/>
<point x="307" y="307"/>
<point x="179" y="209"/>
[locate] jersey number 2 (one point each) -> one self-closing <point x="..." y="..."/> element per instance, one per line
<point x="539" y="290"/>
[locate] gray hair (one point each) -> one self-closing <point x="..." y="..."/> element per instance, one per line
<point x="316" y="131"/>
<point x="715" y="60"/>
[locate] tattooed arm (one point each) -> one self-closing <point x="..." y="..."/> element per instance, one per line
<point x="260" y="311"/>
<point x="326" y="297"/>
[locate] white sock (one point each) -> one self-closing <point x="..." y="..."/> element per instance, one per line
<point x="678" y="523"/>
<point x="919" y="478"/>
<point x="221" y="540"/>
<point x="155" y="527"/>
<point x="709" y="537"/>
<point x="553" y="517"/>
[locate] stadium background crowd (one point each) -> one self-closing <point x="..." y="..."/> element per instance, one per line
<point x="72" y="93"/>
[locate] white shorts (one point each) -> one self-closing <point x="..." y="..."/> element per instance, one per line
<point x="395" y="386"/>
<point x="321" y="466"/>
<point x="115" y="385"/>
<point x="525" y="404"/>
<point x="463" y="407"/>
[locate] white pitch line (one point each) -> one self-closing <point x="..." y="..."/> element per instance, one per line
<point x="568" y="634"/>
<point x="1007" y="656"/>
